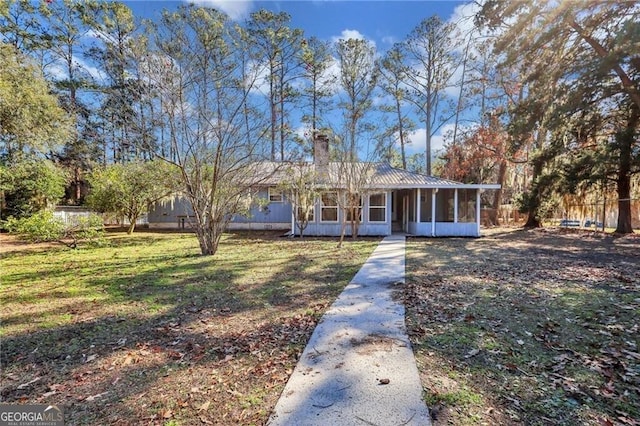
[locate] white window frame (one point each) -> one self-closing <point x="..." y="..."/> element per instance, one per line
<point x="382" y="207"/>
<point x="275" y="195"/>
<point x="333" y="207"/>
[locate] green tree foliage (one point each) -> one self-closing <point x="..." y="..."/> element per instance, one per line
<point x="320" y="83"/>
<point x="19" y="26"/>
<point x="392" y="76"/>
<point x="123" y="56"/>
<point x="31" y="121"/>
<point x="276" y="48"/>
<point x="358" y="78"/>
<point x="43" y="226"/>
<point x="128" y="190"/>
<point x="66" y="26"/>
<point x="430" y="61"/>
<point x="30" y="186"/>
<point x="577" y="61"/>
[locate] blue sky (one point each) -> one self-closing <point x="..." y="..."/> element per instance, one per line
<point x="380" y="21"/>
<point x="383" y="22"/>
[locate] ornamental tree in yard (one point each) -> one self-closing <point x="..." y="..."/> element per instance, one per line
<point x="128" y="189"/>
<point x="215" y="135"/>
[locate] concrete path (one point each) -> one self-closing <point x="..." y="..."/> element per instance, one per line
<point x="358" y="367"/>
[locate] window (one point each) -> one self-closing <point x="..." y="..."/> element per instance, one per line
<point x="354" y="205"/>
<point x="378" y="207"/>
<point x="275" y="195"/>
<point x="300" y="214"/>
<point x="329" y="207"/>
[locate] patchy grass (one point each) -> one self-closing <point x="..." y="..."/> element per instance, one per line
<point x="527" y="327"/>
<point x="147" y="331"/>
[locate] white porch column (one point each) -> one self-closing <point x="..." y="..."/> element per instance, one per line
<point x="418" y="207"/>
<point x="478" y="213"/>
<point x="455" y="205"/>
<point x="293" y="219"/>
<point x="433" y="211"/>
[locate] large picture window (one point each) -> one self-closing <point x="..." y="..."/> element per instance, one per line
<point x="378" y="207"/>
<point x="329" y="207"/>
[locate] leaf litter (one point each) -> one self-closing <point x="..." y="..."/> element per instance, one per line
<point x="527" y="327"/>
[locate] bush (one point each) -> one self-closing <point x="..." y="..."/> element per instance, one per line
<point x="44" y="226"/>
<point x="30" y="186"/>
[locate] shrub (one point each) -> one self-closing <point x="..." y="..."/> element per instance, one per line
<point x="44" y="226"/>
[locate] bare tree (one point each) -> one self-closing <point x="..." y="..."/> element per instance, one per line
<point x="204" y="103"/>
<point x="358" y="79"/>
<point x="300" y="184"/>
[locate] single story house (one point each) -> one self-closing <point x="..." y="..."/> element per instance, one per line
<point x="392" y="200"/>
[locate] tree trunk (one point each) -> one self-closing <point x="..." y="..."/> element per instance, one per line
<point x="494" y="218"/>
<point x="132" y="226"/>
<point x="533" y="221"/>
<point x="625" y="139"/>
<point x="533" y="207"/>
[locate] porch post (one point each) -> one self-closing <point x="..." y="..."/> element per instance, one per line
<point x="418" y="207"/>
<point x="293" y="218"/>
<point x="455" y="205"/>
<point x="433" y="211"/>
<point x="478" y="212"/>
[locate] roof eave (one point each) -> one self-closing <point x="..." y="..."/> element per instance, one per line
<point x="440" y="186"/>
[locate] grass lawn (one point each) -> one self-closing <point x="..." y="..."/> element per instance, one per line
<point x="146" y="331"/>
<point x="527" y="327"/>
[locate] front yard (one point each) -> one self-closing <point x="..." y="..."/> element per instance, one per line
<point x="527" y="327"/>
<point x="519" y="327"/>
<point x="146" y="331"/>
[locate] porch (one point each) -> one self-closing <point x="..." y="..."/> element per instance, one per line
<point x="436" y="212"/>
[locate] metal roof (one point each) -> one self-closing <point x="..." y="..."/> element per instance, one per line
<point x="379" y="176"/>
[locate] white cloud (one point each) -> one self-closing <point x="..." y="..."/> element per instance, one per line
<point x="347" y="34"/>
<point x="236" y="9"/>
<point x="418" y="139"/>
<point x="463" y="18"/>
<point x="389" y="40"/>
<point x="57" y="70"/>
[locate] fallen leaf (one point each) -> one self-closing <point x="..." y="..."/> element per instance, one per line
<point x="25" y="385"/>
<point x="94" y="397"/>
<point x="472" y="353"/>
<point x="205" y="406"/>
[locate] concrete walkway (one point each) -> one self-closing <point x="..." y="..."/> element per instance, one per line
<point x="358" y="367"/>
